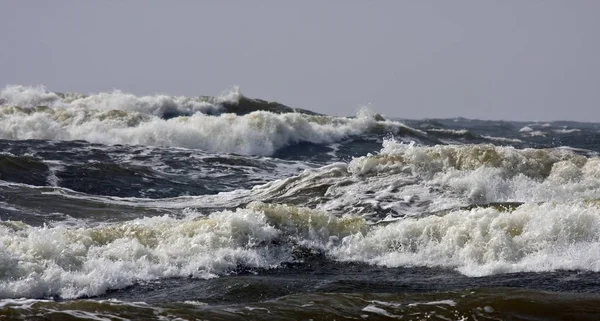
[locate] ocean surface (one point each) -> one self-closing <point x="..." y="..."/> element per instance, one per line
<point x="121" y="207"/>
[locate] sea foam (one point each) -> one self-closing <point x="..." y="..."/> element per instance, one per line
<point x="118" y="118"/>
<point x="409" y="180"/>
<point x="72" y="262"/>
<point x="485" y="241"/>
<point x="157" y="105"/>
<point x="88" y="261"/>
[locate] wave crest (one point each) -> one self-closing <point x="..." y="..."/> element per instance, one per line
<point x="428" y="160"/>
<point x="485" y="241"/>
<point x="116" y="118"/>
<point x="88" y="261"/>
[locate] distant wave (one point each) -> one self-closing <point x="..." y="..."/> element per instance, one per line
<point x="464" y="136"/>
<point x="229" y="123"/>
<point x="164" y="106"/>
<point x="502" y="139"/>
<point x="157" y="105"/>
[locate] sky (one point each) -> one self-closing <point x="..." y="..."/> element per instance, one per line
<point x="505" y="60"/>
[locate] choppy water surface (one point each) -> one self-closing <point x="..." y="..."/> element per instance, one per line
<point x="118" y="207"/>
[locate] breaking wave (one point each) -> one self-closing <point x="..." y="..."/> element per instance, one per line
<point x="88" y="261"/>
<point x="41" y="262"/>
<point x="157" y="105"/>
<point x="405" y="180"/>
<point x="485" y="241"/>
<point x="118" y="118"/>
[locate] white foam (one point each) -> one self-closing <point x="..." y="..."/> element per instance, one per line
<point x="118" y="118"/>
<point x="526" y="129"/>
<point x="567" y="131"/>
<point x="534" y="237"/>
<point x="457" y="132"/>
<point x="22" y="303"/>
<point x="31" y="97"/>
<point x="502" y="139"/>
<point x="451" y="303"/>
<point x="87" y="261"/>
<point x="373" y="309"/>
<point x="53" y="168"/>
<point x="429" y="160"/>
<point x="537" y="133"/>
<point x="405" y="179"/>
<point x="40" y="262"/>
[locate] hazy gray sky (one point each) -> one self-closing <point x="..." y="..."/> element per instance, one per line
<point x="521" y="60"/>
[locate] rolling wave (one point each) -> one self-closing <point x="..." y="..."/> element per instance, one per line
<point x="345" y="212"/>
<point x="84" y="261"/>
<point x="409" y="180"/>
<point x="158" y="105"/>
<point x="23" y="169"/>
<point x="88" y="261"/>
<point x="257" y="128"/>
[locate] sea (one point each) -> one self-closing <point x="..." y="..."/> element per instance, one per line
<point x="122" y="207"/>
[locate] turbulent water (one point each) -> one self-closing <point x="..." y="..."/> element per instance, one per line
<point x="116" y="207"/>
